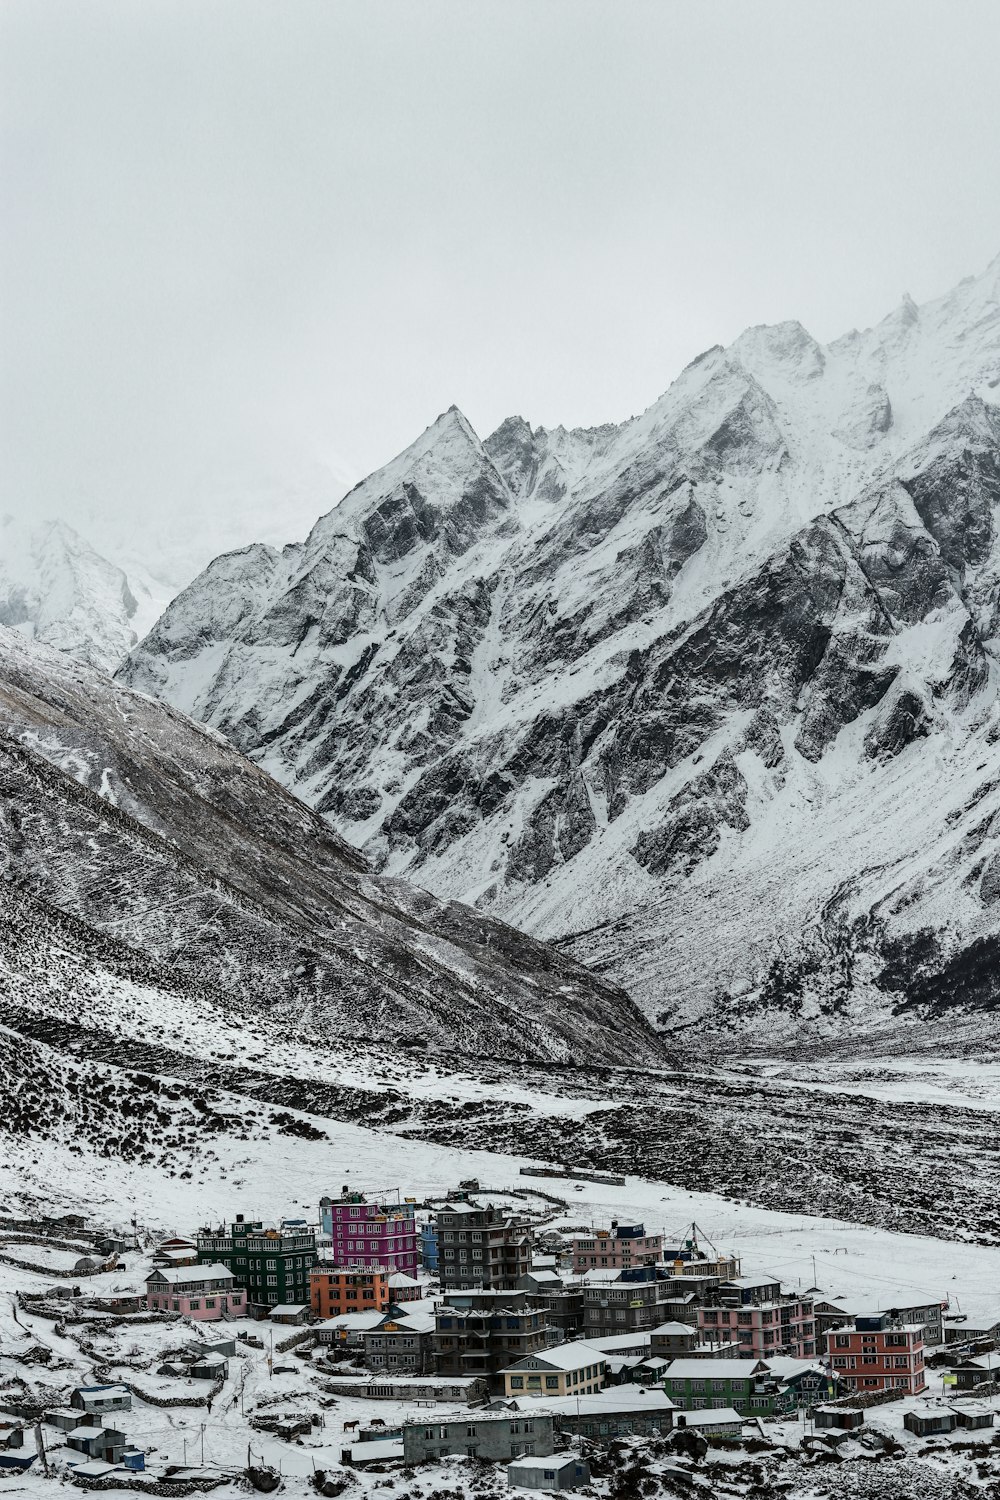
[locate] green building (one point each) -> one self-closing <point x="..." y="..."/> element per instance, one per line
<point x="748" y="1385"/>
<point x="272" y="1264"/>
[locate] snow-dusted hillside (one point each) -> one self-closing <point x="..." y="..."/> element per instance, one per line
<point x="138" y="849"/>
<point x="710" y="695"/>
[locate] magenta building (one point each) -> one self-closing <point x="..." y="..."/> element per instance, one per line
<point x="380" y="1233"/>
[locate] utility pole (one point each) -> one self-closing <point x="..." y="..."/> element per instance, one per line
<point x="203" y="1444"/>
<point x="40" y="1447"/>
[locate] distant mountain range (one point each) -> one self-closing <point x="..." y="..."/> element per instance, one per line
<point x="708" y="697"/>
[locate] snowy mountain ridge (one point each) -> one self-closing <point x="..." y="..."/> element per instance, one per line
<point x="619" y="684"/>
<point x="55" y="588"/>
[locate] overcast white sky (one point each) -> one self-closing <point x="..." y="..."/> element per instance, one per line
<point x="241" y="236"/>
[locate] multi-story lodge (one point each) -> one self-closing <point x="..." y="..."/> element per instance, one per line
<point x="477" y="1333"/>
<point x="205" y="1293"/>
<point x="574" y="1369"/>
<point x="481" y="1246"/>
<point x="378" y="1232"/>
<point x="403" y="1342"/>
<point x="762" y="1318"/>
<point x="624" y="1301"/>
<point x="272" y="1264"/>
<point x="745" y="1385"/>
<point x="617" y="1249"/>
<point x="335" y="1290"/>
<point x="879" y="1353"/>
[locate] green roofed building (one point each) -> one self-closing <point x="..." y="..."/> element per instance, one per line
<point x="272" y="1264"/>
<point x="746" y="1385"/>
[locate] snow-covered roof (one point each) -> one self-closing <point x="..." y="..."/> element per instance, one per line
<point x="552" y="1464"/>
<point x="419" y="1320"/>
<point x="672" y="1330"/>
<point x="400" y="1278"/>
<point x="352" y="1322"/>
<point x="712" y="1369"/>
<point x="621" y="1343"/>
<point x="376" y="1451"/>
<point x="613" y="1399"/>
<point x="181" y="1275"/>
<point x="708" y="1418"/>
<point x="289" y="1309"/>
<point x="571" y="1356"/>
<point x="786" y="1368"/>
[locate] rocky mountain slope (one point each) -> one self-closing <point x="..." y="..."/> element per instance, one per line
<point x="709" y="696"/>
<point x="142" y="856"/>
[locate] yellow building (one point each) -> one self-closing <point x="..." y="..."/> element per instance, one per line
<point x="574" y="1369"/>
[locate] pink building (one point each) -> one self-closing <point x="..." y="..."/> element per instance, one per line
<point x="382" y="1233"/>
<point x="619" y="1248"/>
<point x="201" y="1292"/>
<point x="779" y="1325"/>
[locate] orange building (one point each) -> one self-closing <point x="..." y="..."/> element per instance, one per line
<point x="335" y="1290"/>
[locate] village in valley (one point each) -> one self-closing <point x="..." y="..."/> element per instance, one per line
<point x="480" y="1341"/>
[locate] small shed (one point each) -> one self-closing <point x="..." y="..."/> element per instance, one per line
<point x="289" y="1312"/>
<point x="100" y="1398"/>
<point x="92" y="1468"/>
<point x="64" y="1418"/>
<point x="973" y="1417"/>
<point x="840" y="1418"/>
<point x="16" y="1463"/>
<point x="362" y="1454"/>
<point x="88" y="1265"/>
<point x="930" y="1420"/>
<point x="106" y="1443"/>
<point x="561" y="1471"/>
<point x="215" y="1346"/>
<point x="209" y="1367"/>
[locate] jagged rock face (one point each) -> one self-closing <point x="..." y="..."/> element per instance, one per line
<point x="177" y="863"/>
<point x="695" y="694"/>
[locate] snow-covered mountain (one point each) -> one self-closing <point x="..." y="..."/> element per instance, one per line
<point x="145" y="861"/>
<point x="709" y="696"/>
<point x="55" y="588"/>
